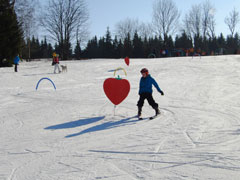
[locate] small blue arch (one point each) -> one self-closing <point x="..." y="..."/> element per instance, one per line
<point x="47" y="79"/>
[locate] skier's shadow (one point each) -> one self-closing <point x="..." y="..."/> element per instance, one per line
<point x="74" y="124"/>
<point x="237" y="132"/>
<point x="106" y="125"/>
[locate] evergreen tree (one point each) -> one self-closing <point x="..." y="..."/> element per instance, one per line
<point x="101" y="53"/>
<point x="183" y="41"/>
<point x="221" y="41"/>
<point x="10" y="34"/>
<point x="65" y="50"/>
<point x="49" y="50"/>
<point x="198" y="43"/>
<point x="213" y="46"/>
<point x="169" y="43"/>
<point x="108" y="47"/>
<point x="138" y="51"/>
<point x="127" y="46"/>
<point x="232" y="44"/>
<point x="77" y="51"/>
<point x="92" y="50"/>
<point x="35" y="48"/>
<point x="38" y="51"/>
<point x="118" y="48"/>
<point x="56" y="48"/>
<point x="43" y="48"/>
<point x="146" y="49"/>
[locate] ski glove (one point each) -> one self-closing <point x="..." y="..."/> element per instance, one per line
<point x="162" y="93"/>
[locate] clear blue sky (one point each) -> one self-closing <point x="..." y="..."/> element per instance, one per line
<point x="104" y="13"/>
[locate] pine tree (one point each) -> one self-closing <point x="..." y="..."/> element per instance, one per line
<point x="183" y="41"/>
<point x="118" y="47"/>
<point x="49" y="50"/>
<point x="213" y="46"/>
<point x="108" y="45"/>
<point x="10" y="33"/>
<point x="232" y="44"/>
<point x="77" y="51"/>
<point x="43" y="48"/>
<point x="92" y="49"/>
<point x="146" y="48"/>
<point x="198" y="43"/>
<point x="101" y="53"/>
<point x="127" y="46"/>
<point x="137" y="46"/>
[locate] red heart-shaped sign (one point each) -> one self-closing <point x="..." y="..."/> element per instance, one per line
<point x="116" y="89"/>
<point x="127" y="60"/>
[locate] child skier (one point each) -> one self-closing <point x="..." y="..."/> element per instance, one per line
<point x="145" y="92"/>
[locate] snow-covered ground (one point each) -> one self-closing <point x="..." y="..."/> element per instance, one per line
<point x="72" y="133"/>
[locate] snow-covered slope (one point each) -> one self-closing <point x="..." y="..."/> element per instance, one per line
<point x="72" y="133"/>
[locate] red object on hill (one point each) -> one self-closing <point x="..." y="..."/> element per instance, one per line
<point x="116" y="89"/>
<point x="127" y="60"/>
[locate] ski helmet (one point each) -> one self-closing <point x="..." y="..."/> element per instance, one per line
<point x="144" y="70"/>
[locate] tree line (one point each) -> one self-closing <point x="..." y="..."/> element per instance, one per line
<point x="65" y="23"/>
<point x="138" y="47"/>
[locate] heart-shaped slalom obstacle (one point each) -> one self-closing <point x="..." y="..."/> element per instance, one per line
<point x="117" y="88"/>
<point x="127" y="61"/>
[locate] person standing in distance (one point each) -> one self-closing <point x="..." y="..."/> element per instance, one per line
<point x="145" y="92"/>
<point x="16" y="61"/>
<point x="56" y="64"/>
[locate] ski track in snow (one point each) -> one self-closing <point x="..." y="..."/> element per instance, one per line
<point x="72" y="133"/>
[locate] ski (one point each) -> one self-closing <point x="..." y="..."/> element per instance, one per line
<point x="148" y="118"/>
<point x="153" y="117"/>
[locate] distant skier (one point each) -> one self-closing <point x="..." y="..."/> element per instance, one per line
<point x="56" y="63"/>
<point x="16" y="61"/>
<point x="145" y="92"/>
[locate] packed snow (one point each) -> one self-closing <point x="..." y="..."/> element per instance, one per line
<point x="75" y="133"/>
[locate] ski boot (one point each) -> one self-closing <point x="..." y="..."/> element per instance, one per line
<point x="139" y="113"/>
<point x="157" y="111"/>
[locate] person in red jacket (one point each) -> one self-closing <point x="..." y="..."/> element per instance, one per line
<point x="56" y="63"/>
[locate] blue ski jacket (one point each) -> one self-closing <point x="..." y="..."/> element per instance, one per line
<point x="16" y="60"/>
<point x="146" y="85"/>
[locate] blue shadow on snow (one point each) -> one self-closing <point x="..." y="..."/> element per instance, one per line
<point x="106" y="125"/>
<point x="74" y="124"/>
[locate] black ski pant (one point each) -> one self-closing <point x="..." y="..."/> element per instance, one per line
<point x="15" y="67"/>
<point x="149" y="98"/>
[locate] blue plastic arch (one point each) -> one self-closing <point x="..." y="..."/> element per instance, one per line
<point x="47" y="79"/>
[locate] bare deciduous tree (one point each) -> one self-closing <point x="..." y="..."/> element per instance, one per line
<point x="186" y="27"/>
<point x="208" y="21"/>
<point x="66" y="20"/>
<point x="125" y="27"/>
<point x="25" y="10"/>
<point x="212" y="25"/>
<point x="232" y="21"/>
<point x="192" y="21"/>
<point x="131" y="26"/>
<point x="145" y="30"/>
<point x="165" y="17"/>
<point x="200" y="21"/>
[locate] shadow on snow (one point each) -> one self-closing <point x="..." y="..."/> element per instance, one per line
<point x="74" y="124"/>
<point x="125" y="152"/>
<point x="106" y="125"/>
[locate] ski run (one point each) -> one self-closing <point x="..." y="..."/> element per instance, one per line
<point x="74" y="132"/>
